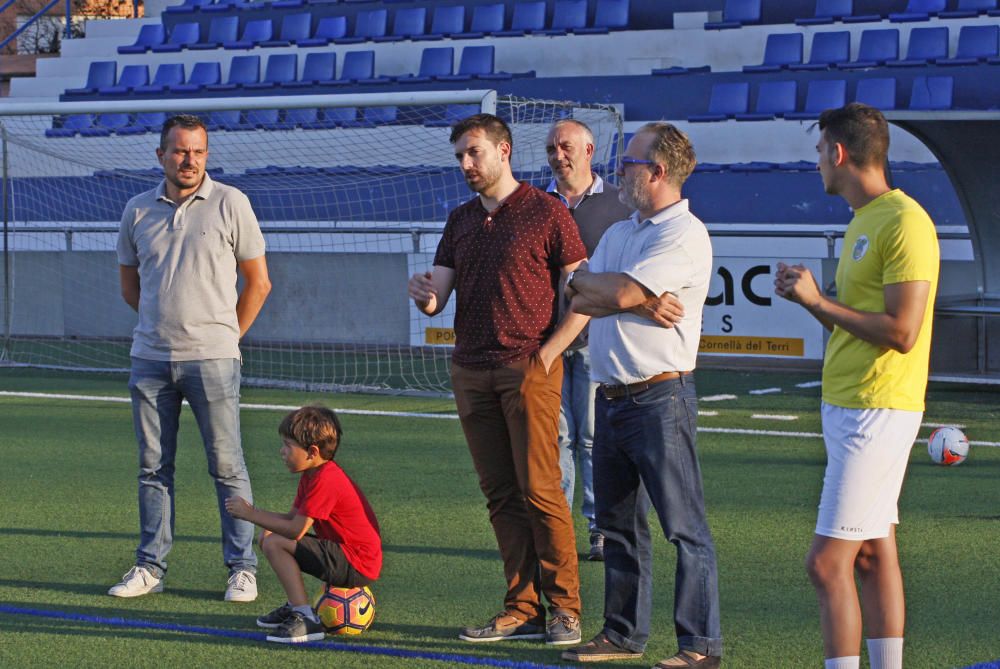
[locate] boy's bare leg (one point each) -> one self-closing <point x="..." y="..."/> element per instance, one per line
<point x="280" y="553"/>
<point x="831" y="569"/>
<point x="882" y="596"/>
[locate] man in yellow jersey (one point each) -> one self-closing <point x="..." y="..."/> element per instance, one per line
<point x="874" y="378"/>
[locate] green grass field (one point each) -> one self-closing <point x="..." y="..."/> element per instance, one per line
<point x="68" y="527"/>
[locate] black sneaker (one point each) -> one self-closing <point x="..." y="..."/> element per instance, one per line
<point x="273" y="620"/>
<point x="562" y="630"/>
<point x="596" y="547"/>
<point x="502" y="626"/>
<point x="298" y="629"/>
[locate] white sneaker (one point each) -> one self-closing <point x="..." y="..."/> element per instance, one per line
<point x="242" y="587"/>
<point x="137" y="582"/>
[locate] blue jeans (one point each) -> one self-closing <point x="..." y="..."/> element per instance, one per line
<point x="212" y="389"/>
<point x="576" y="429"/>
<point x="644" y="453"/>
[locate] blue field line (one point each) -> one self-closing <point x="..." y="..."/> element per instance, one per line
<point x="995" y="664"/>
<point x="260" y="637"/>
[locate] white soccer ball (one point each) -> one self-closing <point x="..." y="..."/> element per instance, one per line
<point x="948" y="446"/>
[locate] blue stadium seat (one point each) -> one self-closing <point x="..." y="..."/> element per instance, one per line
<point x="610" y="15"/>
<point x="242" y="70"/>
<point x="828" y="11"/>
<point x="131" y="76"/>
<point x="774" y="100"/>
<point x="294" y="29"/>
<point x="181" y="35"/>
<point x="828" y="50"/>
<point x="71" y="125"/>
<point x="320" y="68"/>
<point x="291" y="4"/>
<point x="202" y="74"/>
<point x="338" y="116"/>
<point x="107" y="124"/>
<point x="358" y="66"/>
<point x="266" y="119"/>
<point x="877" y="46"/>
<point x="150" y="35"/>
<point x="780" y="51"/>
<point x="328" y="29"/>
<point x="220" y="6"/>
<point x="821" y="94"/>
<point x="486" y="20"/>
<point x="528" y="17"/>
<point x="167" y="75"/>
<point x="967" y="9"/>
<point x="368" y="24"/>
<point x="726" y="101"/>
<point x="373" y="116"/>
<point x="476" y="62"/>
<point x="229" y="119"/>
<point x="927" y="46"/>
<point x="567" y="16"/>
<point x="100" y="74"/>
<point x="281" y="69"/>
<point x="187" y="7"/>
<point x="144" y="122"/>
<point x="434" y="62"/>
<point x="932" y="93"/>
<point x="221" y="29"/>
<point x="254" y="33"/>
<point x="408" y="23"/>
<point x="976" y="44"/>
<point x="448" y="21"/>
<point x="301" y="118"/>
<point x="451" y="115"/>
<point x="737" y="13"/>
<point x="919" y="10"/>
<point x="879" y="93"/>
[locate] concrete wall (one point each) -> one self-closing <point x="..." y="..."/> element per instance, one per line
<point x="344" y="297"/>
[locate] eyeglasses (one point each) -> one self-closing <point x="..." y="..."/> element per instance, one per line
<point x="627" y="160"/>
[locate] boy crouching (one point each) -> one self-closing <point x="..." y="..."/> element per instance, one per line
<point x="345" y="548"/>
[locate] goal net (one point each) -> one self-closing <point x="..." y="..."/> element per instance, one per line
<point x="351" y="191"/>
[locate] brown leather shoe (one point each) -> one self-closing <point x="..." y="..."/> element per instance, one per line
<point x="599" y="649"/>
<point x="688" y="661"/>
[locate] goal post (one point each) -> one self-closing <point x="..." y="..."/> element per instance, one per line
<point x="352" y="192"/>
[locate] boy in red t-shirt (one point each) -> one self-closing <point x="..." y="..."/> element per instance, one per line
<point x="345" y="549"/>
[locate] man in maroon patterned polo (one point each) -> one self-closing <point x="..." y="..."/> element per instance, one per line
<point x="504" y="254"/>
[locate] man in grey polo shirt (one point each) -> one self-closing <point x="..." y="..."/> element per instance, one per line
<point x="644" y="441"/>
<point x="180" y="249"/>
<point x="594" y="205"/>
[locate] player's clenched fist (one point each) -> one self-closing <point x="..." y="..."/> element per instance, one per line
<point x="796" y="283"/>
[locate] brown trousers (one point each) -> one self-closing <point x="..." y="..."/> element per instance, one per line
<point x="510" y="417"/>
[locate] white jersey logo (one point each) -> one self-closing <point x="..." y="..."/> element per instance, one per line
<point x="860" y="248"/>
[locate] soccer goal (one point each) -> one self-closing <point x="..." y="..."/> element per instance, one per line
<point x="352" y="192"/>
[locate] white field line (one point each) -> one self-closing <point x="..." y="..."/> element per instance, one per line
<point x="958" y="425"/>
<point x="716" y="398"/>
<point x="407" y="414"/>
<point x="773" y="416"/>
<point x="809" y="384"/>
<point x="765" y="391"/>
<point x="707" y="413"/>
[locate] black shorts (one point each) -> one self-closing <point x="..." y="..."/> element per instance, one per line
<point x="326" y="561"/>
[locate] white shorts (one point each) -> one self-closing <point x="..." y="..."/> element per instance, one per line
<point x="866" y="455"/>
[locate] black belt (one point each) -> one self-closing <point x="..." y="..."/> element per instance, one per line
<point x="615" y="392"/>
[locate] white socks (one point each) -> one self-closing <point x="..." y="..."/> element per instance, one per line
<point x="306" y="611"/>
<point x="885" y="653"/>
<point x="882" y="654"/>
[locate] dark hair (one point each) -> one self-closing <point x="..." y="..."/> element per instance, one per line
<point x="496" y="130"/>
<point x="862" y="130"/>
<point x="672" y="149"/>
<point x="186" y="121"/>
<point x="313" y="425"/>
